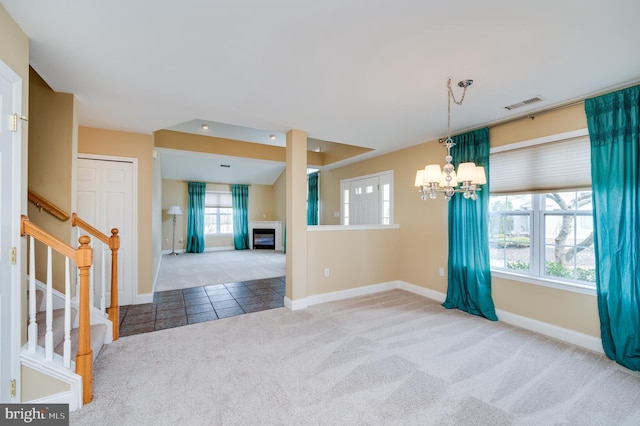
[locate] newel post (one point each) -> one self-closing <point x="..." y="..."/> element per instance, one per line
<point x="114" y="308"/>
<point x="84" y="359"/>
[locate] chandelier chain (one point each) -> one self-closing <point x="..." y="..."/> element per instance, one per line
<point x="451" y="95"/>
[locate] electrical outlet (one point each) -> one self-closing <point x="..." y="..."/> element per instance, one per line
<point x="326" y="272"/>
<point x="180" y="241"/>
<point x="441" y="272"/>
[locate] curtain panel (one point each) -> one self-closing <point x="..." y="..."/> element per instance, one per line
<point x="195" y="217"/>
<point x="614" y="123"/>
<point x="240" y="204"/>
<point x="312" y="198"/>
<point x="469" y="285"/>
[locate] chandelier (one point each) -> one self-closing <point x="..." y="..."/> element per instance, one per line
<point x="431" y="180"/>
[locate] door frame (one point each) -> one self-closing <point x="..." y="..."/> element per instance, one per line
<point x="134" y="209"/>
<point x="17" y="199"/>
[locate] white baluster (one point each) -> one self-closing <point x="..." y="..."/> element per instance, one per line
<point x="67" y="315"/>
<point x="32" y="332"/>
<point x="103" y="299"/>
<point x="48" y="337"/>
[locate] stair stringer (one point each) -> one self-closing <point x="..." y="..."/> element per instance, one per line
<point x="54" y="369"/>
<point x="96" y="316"/>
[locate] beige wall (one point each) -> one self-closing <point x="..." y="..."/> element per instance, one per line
<point x="280" y="197"/>
<point x="139" y="146"/>
<point x="422" y="237"/>
<point x="52" y="151"/>
<point x="174" y="193"/>
<point x="358" y="257"/>
<point x="261" y="203"/>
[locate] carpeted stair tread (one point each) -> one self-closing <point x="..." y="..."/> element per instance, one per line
<point x="57" y="328"/>
<point x="98" y="335"/>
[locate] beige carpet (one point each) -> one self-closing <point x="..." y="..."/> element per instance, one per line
<point x="393" y="358"/>
<point x="218" y="267"/>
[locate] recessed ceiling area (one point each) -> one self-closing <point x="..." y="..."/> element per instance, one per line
<point x="202" y="167"/>
<point x="175" y="162"/>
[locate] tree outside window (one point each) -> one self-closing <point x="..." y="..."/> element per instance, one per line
<point x="545" y="235"/>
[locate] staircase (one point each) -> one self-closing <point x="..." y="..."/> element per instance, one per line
<point x="65" y="332"/>
<point x="98" y="332"/>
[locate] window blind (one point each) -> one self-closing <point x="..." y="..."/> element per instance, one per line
<point x="217" y="199"/>
<point x="543" y="167"/>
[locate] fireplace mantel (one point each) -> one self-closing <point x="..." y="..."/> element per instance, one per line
<point x="266" y="224"/>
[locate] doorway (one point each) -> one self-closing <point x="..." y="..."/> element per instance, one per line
<point x="10" y="196"/>
<point x="105" y="198"/>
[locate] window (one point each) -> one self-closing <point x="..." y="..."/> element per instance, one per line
<point x="541" y="216"/>
<point x="218" y="213"/>
<point x="547" y="235"/>
<point x="367" y="200"/>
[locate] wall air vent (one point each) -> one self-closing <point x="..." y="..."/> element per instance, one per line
<point x="525" y="102"/>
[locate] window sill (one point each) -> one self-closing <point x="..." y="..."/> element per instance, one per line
<point x="560" y="285"/>
<point x="217" y="235"/>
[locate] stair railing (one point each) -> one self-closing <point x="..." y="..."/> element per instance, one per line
<point x="48" y="206"/>
<point x="113" y="243"/>
<point x="83" y="257"/>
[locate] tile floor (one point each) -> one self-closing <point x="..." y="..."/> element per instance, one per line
<point x="176" y="308"/>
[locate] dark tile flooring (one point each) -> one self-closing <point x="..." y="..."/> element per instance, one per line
<point x="176" y="308"/>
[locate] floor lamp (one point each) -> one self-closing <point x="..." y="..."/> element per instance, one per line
<point x="175" y="211"/>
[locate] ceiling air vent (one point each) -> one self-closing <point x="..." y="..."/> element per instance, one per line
<point x="525" y="103"/>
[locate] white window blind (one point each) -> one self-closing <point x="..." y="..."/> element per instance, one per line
<point x="542" y="167"/>
<point x="217" y="199"/>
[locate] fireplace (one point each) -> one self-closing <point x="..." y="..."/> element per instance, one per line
<point x="264" y="238"/>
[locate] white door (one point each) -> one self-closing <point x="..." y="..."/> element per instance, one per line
<point x="10" y="96"/>
<point x="364" y="208"/>
<point x="105" y="200"/>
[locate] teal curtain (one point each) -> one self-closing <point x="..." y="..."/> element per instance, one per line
<point x="195" y="217"/>
<point x="614" y="124"/>
<point x="312" y="198"/>
<point x="469" y="287"/>
<point x="240" y="204"/>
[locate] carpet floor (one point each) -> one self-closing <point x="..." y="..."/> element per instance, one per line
<point x="218" y="267"/>
<point x="392" y="358"/>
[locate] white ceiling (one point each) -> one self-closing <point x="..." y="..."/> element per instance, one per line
<point x="366" y="73"/>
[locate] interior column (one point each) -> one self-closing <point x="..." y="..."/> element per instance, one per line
<point x="296" y="225"/>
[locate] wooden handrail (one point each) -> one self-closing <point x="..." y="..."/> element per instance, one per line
<point x="114" y="244"/>
<point x="43" y="203"/>
<point x="83" y="257"/>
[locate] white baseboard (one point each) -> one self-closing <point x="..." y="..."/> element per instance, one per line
<point x="295" y="305"/>
<point x="143" y="298"/>
<point x="349" y="293"/>
<point x="564" y="334"/>
<point x="556" y="332"/>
